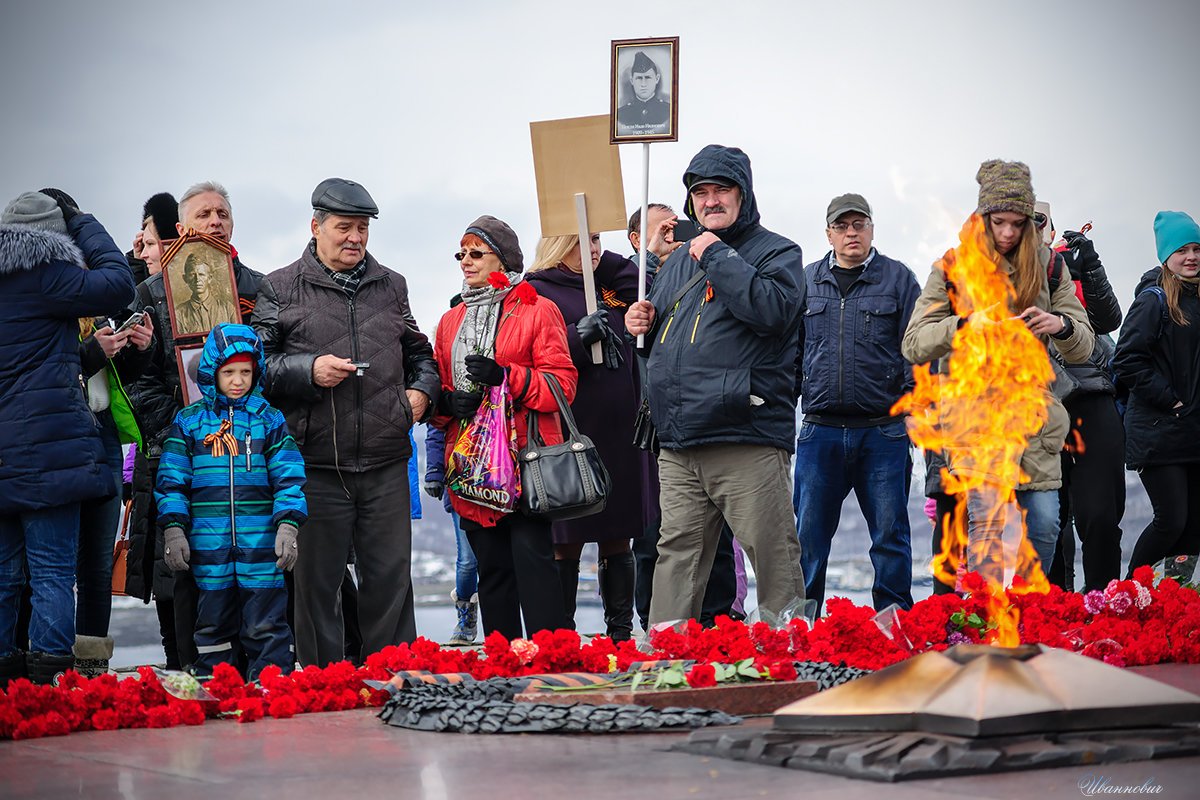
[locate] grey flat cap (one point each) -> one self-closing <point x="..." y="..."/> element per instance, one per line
<point x="844" y="204"/>
<point x="347" y="198"/>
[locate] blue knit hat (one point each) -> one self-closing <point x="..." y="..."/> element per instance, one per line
<point x="1172" y="230"/>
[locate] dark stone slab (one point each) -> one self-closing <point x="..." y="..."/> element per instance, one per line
<point x="742" y="699"/>
<point x="916" y="755"/>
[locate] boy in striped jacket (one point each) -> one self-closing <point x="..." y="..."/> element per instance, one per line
<point x="230" y="501"/>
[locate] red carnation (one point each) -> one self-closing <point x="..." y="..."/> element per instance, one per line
<point x="782" y="671"/>
<point x="524" y="292"/>
<point x="498" y="280"/>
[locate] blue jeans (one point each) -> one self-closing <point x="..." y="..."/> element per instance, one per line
<point x="98" y="521"/>
<point x="466" y="570"/>
<point x="876" y="463"/>
<point x="985" y="531"/>
<point x="42" y="539"/>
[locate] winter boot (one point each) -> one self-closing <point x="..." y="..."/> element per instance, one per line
<point x="568" y="578"/>
<point x="45" y="669"/>
<point x="92" y="654"/>
<point x="12" y="666"/>
<point x="616" y="590"/>
<point x="468" y="615"/>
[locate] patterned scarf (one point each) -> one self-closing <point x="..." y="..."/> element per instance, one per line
<point x="477" y="334"/>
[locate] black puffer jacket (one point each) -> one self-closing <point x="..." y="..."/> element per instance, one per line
<point x="1160" y="363"/>
<point x="1104" y="314"/>
<point x="156" y="396"/>
<point x="363" y="422"/>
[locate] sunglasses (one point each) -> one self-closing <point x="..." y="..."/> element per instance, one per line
<point x="474" y="254"/>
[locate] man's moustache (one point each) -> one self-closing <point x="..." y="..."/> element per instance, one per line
<point x="716" y="210"/>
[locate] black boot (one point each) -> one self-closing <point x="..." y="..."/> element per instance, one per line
<point x="616" y="590"/>
<point x="568" y="578"/>
<point x="12" y="666"/>
<point x="45" y="669"/>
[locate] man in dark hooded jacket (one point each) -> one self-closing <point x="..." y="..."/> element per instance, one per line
<point x="721" y="330"/>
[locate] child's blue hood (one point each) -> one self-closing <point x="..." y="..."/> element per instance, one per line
<point x="224" y="342"/>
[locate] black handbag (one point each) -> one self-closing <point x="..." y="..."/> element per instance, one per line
<point x="561" y="481"/>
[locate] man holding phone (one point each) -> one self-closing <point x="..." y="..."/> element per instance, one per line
<point x="349" y="368"/>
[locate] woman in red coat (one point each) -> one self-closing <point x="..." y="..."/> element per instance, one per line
<point x="494" y="335"/>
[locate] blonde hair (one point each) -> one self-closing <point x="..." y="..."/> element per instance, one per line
<point x="1171" y="285"/>
<point x="551" y="249"/>
<point x="1028" y="275"/>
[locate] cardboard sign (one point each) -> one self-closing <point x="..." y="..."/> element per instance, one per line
<point x="573" y="156"/>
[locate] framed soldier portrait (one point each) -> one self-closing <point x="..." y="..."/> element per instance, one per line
<point x="644" y="104"/>
<point x="200" y="284"/>
<point x="187" y="361"/>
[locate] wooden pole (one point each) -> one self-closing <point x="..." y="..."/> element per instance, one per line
<point x="585" y="260"/>
<point x="641" y="339"/>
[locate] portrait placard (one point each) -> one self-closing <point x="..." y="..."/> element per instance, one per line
<point x="573" y="156"/>
<point x="200" y="284"/>
<point x="645" y="90"/>
<point x="187" y="361"/>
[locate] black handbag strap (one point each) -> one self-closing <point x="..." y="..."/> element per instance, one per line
<point x="564" y="412"/>
<point x="699" y="276"/>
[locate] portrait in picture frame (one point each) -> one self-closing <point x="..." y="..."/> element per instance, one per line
<point x="200" y="284"/>
<point x="187" y="361"/>
<point x="644" y="90"/>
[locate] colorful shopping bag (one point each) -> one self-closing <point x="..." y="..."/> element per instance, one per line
<point x="483" y="464"/>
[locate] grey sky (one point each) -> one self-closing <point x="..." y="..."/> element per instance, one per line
<point x="428" y="107"/>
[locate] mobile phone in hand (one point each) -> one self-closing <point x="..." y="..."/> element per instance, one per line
<point x="685" y="230"/>
<point x="135" y="319"/>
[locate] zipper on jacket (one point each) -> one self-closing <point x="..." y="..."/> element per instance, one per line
<point x="247" y="450"/>
<point x="358" y="413"/>
<point x="696" y="324"/>
<point x="232" y="507"/>
<point x="841" y="348"/>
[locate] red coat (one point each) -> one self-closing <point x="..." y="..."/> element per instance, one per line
<point x="532" y="342"/>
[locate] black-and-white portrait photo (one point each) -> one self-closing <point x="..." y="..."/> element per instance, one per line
<point x="645" y="90"/>
<point x="200" y="289"/>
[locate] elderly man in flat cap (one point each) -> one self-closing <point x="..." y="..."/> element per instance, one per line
<point x="348" y="366"/>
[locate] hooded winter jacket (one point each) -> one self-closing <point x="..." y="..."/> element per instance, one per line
<point x="230" y="473"/>
<point x="363" y="422"/>
<point x="930" y="335"/>
<point x="722" y="360"/>
<point x="50" y="451"/>
<point x="1159" y="362"/>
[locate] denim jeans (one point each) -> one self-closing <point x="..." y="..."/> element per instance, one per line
<point x="42" y="539"/>
<point x="985" y="529"/>
<point x="98" y="521"/>
<point x="876" y="463"/>
<point x="466" y="570"/>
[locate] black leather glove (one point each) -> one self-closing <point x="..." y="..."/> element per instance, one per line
<point x="482" y="369"/>
<point x="462" y="405"/>
<point x="592" y="328"/>
<point x="435" y="489"/>
<point x="611" y="349"/>
<point x="65" y="202"/>
<point x="1080" y="255"/>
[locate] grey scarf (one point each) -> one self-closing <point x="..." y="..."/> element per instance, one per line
<point x="477" y="333"/>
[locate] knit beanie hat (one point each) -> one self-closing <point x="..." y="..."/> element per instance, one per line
<point x="34" y="210"/>
<point x="1172" y="230"/>
<point x="163" y="209"/>
<point x="501" y="239"/>
<point x="1004" y="186"/>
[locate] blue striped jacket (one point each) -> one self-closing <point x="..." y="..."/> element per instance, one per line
<point x="229" y="489"/>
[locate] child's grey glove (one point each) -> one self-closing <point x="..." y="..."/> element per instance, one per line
<point x="175" y="549"/>
<point x="285" y="546"/>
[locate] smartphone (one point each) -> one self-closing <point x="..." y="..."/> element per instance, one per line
<point x="360" y="365"/>
<point x="137" y="318"/>
<point x="685" y="230"/>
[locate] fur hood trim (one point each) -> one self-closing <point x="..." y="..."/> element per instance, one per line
<point x="22" y="249"/>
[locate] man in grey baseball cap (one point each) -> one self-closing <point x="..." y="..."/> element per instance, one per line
<point x="849" y="374"/>
<point x="339" y="337"/>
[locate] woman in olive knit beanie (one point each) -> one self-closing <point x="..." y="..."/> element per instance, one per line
<point x="1053" y="314"/>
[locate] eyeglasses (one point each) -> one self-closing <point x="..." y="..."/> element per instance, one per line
<point x="858" y="225"/>
<point x="474" y="254"/>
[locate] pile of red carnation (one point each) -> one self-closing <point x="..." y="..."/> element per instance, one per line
<point x="1132" y="622"/>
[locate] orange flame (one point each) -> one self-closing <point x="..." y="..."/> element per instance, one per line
<point x="981" y="413"/>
